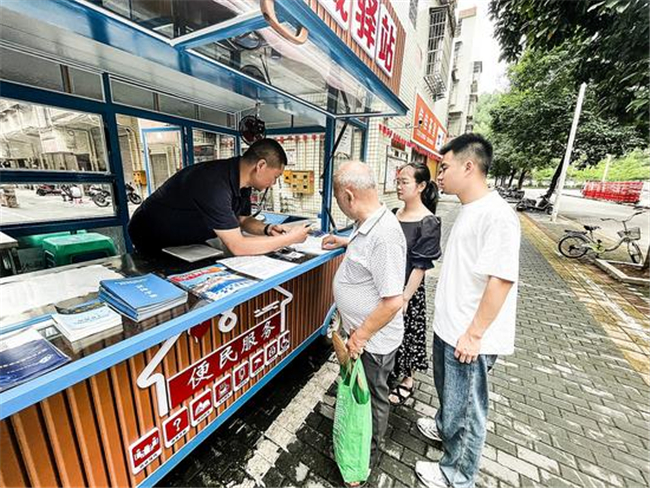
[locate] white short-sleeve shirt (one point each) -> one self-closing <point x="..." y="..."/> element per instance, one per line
<point x="483" y="242"/>
<point x="373" y="268"/>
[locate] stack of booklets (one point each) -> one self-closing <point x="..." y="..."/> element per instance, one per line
<point x="25" y="355"/>
<point x="93" y="318"/>
<point x="212" y="282"/>
<point x="141" y="297"/>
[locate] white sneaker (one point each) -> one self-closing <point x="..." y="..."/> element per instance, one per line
<point x="427" y="426"/>
<point x="430" y="475"/>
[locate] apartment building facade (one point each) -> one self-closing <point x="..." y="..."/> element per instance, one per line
<point x="465" y="75"/>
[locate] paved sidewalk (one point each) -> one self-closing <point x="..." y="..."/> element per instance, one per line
<point x="569" y="408"/>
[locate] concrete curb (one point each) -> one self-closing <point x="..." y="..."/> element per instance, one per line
<point x="610" y="268"/>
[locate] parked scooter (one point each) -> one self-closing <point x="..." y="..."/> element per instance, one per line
<point x="45" y="189"/>
<point x="102" y="197"/>
<point x="511" y="194"/>
<point x="531" y="205"/>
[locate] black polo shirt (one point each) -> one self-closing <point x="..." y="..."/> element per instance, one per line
<point x="190" y="205"/>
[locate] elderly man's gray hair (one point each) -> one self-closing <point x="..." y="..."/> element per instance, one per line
<point x="355" y="175"/>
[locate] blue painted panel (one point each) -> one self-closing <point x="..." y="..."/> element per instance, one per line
<point x="46" y="97"/>
<point x="120" y="200"/>
<point x="328" y="173"/>
<point x="243" y="27"/>
<point x="33" y="176"/>
<point x="312" y="129"/>
<point x="19" y="230"/>
<point x="364" y="146"/>
<point x="170" y="119"/>
<point x="22" y="396"/>
<point x="159" y="129"/>
<point x="357" y="123"/>
<point x="188" y="146"/>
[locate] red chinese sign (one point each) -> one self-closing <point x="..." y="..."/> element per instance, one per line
<point x="143" y="451"/>
<point x="339" y="10"/>
<point x="365" y="15"/>
<point x="428" y="132"/>
<point x="240" y="376"/>
<point x="223" y="389"/>
<point x="372" y="26"/>
<point x="385" y="56"/>
<point x="205" y="371"/>
<point x="257" y="363"/>
<point x="176" y="426"/>
<point x="201" y="407"/>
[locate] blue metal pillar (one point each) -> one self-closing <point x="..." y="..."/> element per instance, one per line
<point x="328" y="173"/>
<point x="115" y="162"/>
<point x="188" y="145"/>
<point x="364" y="145"/>
<point x="237" y="146"/>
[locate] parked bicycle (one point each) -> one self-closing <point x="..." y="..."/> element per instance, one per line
<point x="576" y="244"/>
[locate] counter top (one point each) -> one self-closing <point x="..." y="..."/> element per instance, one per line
<point x="135" y="337"/>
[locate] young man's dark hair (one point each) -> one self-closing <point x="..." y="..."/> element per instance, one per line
<point x="267" y="149"/>
<point x="472" y="146"/>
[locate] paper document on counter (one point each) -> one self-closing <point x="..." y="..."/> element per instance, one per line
<point x="260" y="267"/>
<point x="313" y="245"/>
<point x="193" y="253"/>
<point x="21" y="295"/>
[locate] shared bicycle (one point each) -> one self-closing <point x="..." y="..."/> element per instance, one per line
<point x="577" y="243"/>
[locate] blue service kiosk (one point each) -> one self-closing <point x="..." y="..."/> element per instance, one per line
<point x="111" y="98"/>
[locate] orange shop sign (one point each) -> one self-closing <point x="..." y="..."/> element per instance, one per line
<point x="428" y="132"/>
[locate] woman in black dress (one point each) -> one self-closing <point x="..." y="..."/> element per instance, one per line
<point x="422" y="231"/>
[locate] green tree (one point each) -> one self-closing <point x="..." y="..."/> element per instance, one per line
<point x="482" y="118"/>
<point x="608" y="40"/>
<point x="534" y="117"/>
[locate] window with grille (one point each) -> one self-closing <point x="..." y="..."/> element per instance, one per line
<point x="439" y="50"/>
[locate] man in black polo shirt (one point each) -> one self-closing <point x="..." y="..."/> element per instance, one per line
<point x="212" y="199"/>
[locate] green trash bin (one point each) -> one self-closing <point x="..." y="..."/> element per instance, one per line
<point x="77" y="248"/>
<point x="36" y="240"/>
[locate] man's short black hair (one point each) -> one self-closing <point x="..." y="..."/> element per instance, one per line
<point x="471" y="146"/>
<point x="268" y="149"/>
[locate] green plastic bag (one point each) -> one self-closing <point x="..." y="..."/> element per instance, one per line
<point x="353" y="424"/>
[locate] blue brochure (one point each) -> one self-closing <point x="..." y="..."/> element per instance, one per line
<point x="212" y="282"/>
<point x="141" y="297"/>
<point x="25" y="355"/>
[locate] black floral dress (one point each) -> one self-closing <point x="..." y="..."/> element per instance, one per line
<point x="423" y="247"/>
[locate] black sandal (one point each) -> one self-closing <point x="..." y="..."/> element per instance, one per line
<point x="397" y="391"/>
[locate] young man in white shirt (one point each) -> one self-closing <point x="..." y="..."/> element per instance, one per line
<point x="475" y="308"/>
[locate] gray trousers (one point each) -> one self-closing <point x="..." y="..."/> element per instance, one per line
<point x="377" y="368"/>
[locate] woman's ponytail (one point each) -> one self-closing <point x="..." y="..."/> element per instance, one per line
<point x="429" y="196"/>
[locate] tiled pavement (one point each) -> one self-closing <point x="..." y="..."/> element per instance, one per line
<point x="567" y="409"/>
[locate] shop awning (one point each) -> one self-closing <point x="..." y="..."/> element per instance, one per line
<point x="245" y="50"/>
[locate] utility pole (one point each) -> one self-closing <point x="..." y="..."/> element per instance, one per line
<point x="606" y="172"/>
<point x="569" y="150"/>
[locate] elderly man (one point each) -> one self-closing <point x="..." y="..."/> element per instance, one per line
<point x="369" y="284"/>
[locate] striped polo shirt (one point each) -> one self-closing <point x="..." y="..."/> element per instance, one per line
<point x="373" y="268"/>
